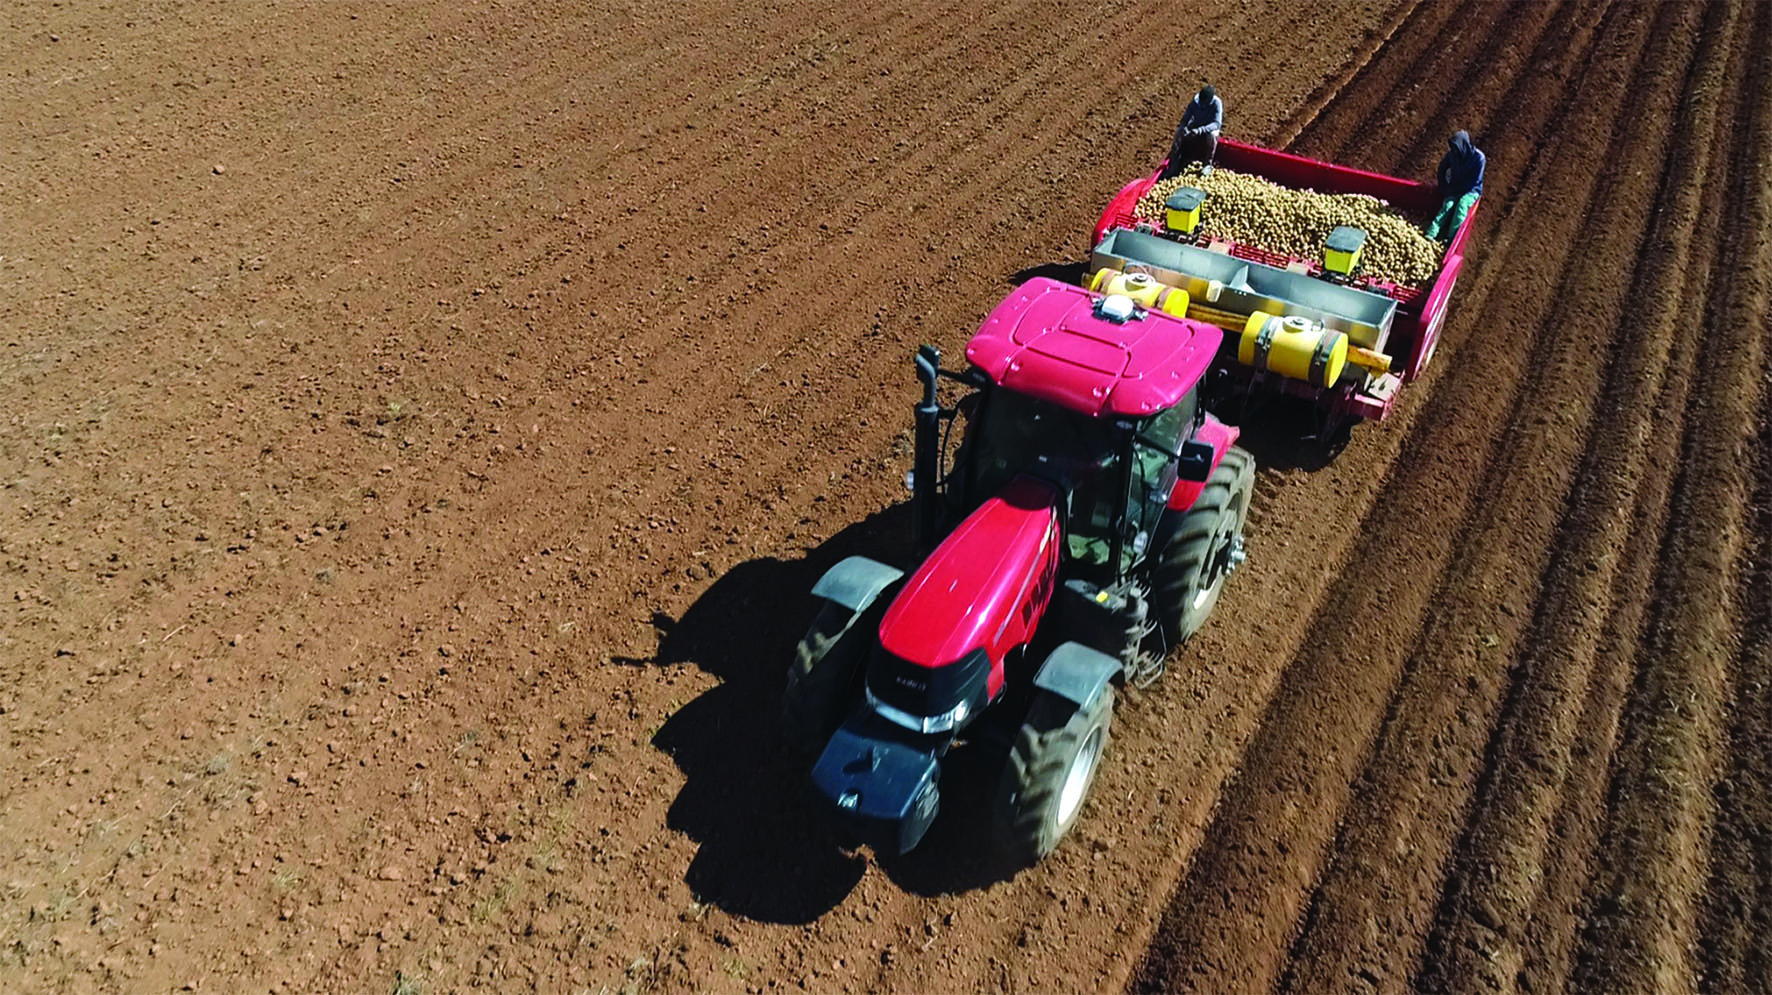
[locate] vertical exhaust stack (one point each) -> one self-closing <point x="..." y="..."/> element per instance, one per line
<point x="924" y="461"/>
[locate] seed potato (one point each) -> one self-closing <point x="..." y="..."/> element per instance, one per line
<point x="1253" y="211"/>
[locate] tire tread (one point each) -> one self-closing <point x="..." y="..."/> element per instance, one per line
<point x="1034" y="774"/>
<point x="1186" y="548"/>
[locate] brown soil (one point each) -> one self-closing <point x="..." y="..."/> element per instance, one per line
<point x="425" y="422"/>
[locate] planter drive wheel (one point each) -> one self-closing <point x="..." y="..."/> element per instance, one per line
<point x="824" y="677"/>
<point x="1051" y="766"/>
<point x="1204" y="547"/>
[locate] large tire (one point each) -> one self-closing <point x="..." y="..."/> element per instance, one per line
<point x="825" y="678"/>
<point x="1046" y="781"/>
<point x="1202" y="548"/>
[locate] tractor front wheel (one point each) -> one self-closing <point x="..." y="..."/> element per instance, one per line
<point x="1051" y="767"/>
<point x="824" y="678"/>
<point x="1204" y="547"/>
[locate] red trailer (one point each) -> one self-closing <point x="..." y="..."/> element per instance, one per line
<point x="1392" y="329"/>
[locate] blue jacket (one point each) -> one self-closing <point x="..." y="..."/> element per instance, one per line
<point x="1461" y="169"/>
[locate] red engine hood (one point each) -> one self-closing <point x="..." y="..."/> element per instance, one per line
<point x="986" y="585"/>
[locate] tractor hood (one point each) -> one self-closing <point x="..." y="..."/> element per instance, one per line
<point x="985" y="587"/>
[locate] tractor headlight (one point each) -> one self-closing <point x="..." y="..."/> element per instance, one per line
<point x="949" y="720"/>
<point x="928" y="699"/>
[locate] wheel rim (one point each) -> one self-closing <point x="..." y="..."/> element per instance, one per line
<point x="1218" y="564"/>
<point x="1077" y="779"/>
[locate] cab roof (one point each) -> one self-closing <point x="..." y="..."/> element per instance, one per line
<point x="1048" y="340"/>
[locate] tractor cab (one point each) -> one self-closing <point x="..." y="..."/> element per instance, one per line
<point x="1096" y="395"/>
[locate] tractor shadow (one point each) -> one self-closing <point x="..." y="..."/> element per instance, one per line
<point x="746" y="799"/>
<point x="765" y="850"/>
<point x="1065" y="272"/>
<point x="1282" y="434"/>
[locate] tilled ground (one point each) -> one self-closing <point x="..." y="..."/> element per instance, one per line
<point x="425" y="422"/>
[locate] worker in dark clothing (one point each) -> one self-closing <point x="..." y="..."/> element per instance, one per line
<point x="1196" y="138"/>
<point x="1460" y="184"/>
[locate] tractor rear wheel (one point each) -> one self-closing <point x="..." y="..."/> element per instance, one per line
<point x="1202" y="549"/>
<point x="1051" y="765"/>
<point x="825" y="677"/>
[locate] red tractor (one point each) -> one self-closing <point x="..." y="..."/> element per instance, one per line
<point x="1086" y="524"/>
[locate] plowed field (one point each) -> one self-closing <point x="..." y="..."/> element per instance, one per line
<point x="424" y="421"/>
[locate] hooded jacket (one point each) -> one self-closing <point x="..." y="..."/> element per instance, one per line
<point x="1207" y="114"/>
<point x="1461" y="169"/>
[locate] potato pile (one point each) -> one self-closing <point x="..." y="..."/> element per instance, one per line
<point x="1253" y="211"/>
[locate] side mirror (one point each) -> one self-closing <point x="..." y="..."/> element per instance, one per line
<point x="1195" y="463"/>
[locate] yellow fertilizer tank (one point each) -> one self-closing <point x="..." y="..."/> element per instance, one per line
<point x="1293" y="346"/>
<point x="1143" y="289"/>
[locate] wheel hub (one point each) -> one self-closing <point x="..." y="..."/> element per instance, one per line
<point x="1226" y="557"/>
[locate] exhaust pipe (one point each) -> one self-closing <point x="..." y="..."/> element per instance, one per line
<point x="924" y="460"/>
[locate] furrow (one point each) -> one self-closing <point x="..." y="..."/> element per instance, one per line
<point x="1408" y="19"/>
<point x="1400" y="831"/>
<point x="1296" y="774"/>
<point x="1456" y="39"/>
<point x="1645" y="904"/>
<point x="1481" y="936"/>
<point x="1395" y="838"/>
<point x="1735" y="952"/>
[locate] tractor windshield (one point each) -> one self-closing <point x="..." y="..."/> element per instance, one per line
<point x="1084" y="456"/>
<point x="1022" y="434"/>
